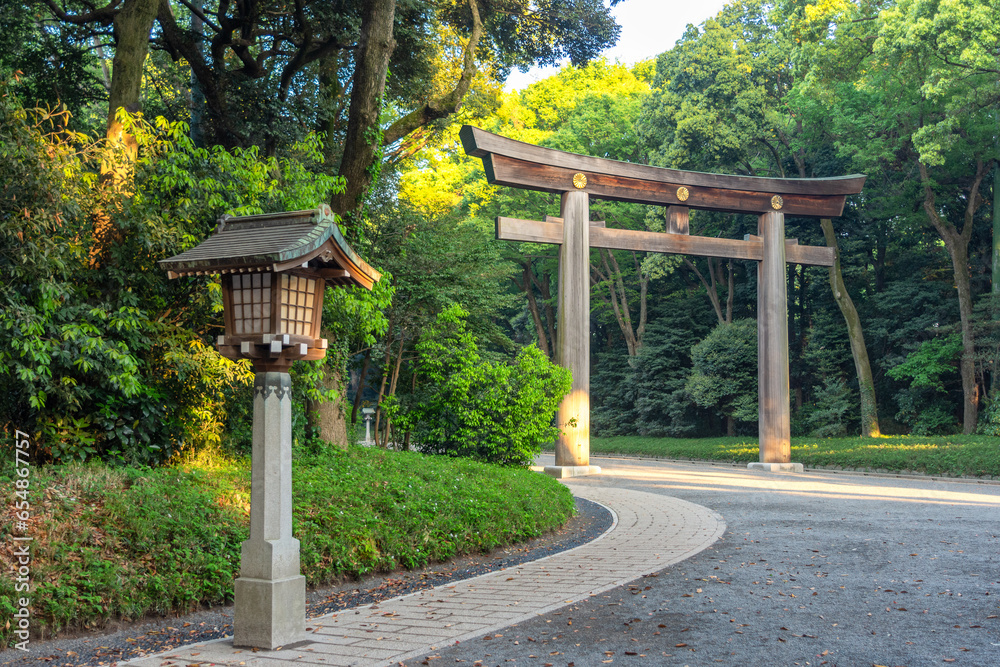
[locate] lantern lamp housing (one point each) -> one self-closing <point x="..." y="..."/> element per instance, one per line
<point x="275" y="268"/>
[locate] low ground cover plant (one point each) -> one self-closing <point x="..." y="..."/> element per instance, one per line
<point x="965" y="455"/>
<point x="123" y="542"/>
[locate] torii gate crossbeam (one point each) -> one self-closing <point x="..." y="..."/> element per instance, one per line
<point x="578" y="178"/>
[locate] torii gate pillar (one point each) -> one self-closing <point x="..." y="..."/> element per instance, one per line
<point x="772" y="349"/>
<point x="573" y="338"/>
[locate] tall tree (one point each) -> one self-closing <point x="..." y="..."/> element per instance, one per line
<point x="859" y="350"/>
<point x="261" y="65"/>
<point x="722" y="101"/>
<point x="363" y="140"/>
<point x="919" y="95"/>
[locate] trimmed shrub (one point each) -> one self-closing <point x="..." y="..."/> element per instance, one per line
<point x="468" y="406"/>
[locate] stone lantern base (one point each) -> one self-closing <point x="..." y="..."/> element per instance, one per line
<point x="269" y="613"/>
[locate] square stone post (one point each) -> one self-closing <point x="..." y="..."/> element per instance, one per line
<point x="772" y="349"/>
<point x="573" y="338"/>
<point x="270" y="592"/>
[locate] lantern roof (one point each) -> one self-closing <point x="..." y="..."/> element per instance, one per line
<point x="276" y="242"/>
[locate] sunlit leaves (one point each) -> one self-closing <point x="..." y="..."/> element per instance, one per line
<point x="471" y="407"/>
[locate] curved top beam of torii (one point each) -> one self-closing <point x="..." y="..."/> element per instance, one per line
<point x="517" y="164"/>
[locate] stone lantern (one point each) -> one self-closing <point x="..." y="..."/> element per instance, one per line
<point x="275" y="268"/>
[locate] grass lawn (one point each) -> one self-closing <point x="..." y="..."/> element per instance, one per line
<point x="123" y="542"/>
<point x="967" y="455"/>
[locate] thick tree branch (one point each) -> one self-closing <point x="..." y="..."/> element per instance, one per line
<point x="710" y="289"/>
<point x="974" y="202"/>
<point x="527" y="284"/>
<point x="180" y="45"/>
<point x="446" y="105"/>
<point x="201" y="15"/>
<point x="774" y="154"/>
<point x="307" y="53"/>
<point x="957" y="244"/>
<point x="103" y="16"/>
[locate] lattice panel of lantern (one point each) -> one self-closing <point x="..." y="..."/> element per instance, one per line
<point x="252" y="303"/>
<point x="273" y="316"/>
<point x="298" y="301"/>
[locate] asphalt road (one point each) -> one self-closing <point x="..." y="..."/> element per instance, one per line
<point x="814" y="569"/>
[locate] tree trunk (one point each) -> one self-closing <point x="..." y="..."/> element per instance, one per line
<point x="413" y="390"/>
<point x="527" y="285"/>
<point x="729" y="296"/>
<point x="132" y="25"/>
<point x="330" y="92"/>
<point x="361" y="386"/>
<point x="640" y="331"/>
<point x="185" y="44"/>
<point x="105" y="70"/>
<point x="363" y="142"/>
<point x="618" y="299"/>
<point x="392" y="388"/>
<point x="197" y="101"/>
<point x="381" y="390"/>
<point x="996" y="228"/>
<point x="712" y="290"/>
<point x="970" y="389"/>
<point x="550" y="313"/>
<point x="326" y="419"/>
<point x="957" y="243"/>
<point x="450" y="103"/>
<point x="866" y="385"/>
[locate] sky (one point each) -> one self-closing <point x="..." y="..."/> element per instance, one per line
<point x="649" y="27"/>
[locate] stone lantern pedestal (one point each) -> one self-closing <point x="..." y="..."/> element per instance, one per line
<point x="270" y="592"/>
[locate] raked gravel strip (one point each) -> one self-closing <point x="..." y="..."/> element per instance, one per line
<point x="650" y="532"/>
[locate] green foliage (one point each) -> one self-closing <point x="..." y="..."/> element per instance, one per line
<point x="471" y="407"/>
<point x="715" y="97"/>
<point x="925" y="412"/>
<point x="645" y="394"/>
<point x="120" y="543"/>
<point x="439" y="260"/>
<point x="934" y="358"/>
<point x="96" y="344"/>
<point x="53" y="63"/>
<point x="833" y="411"/>
<point x="925" y="404"/>
<point x="374" y="510"/>
<point x="724" y="370"/>
<point x="976" y="456"/>
<point x="989" y="418"/>
<point x="352" y="319"/>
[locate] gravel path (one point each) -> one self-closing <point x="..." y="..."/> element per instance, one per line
<point x="815" y="569"/>
<point x="152" y="636"/>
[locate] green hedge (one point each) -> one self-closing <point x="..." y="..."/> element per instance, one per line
<point x="966" y="455"/>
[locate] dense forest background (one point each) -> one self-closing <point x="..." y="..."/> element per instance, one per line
<point x="129" y="126"/>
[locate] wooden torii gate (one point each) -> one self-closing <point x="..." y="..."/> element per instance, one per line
<point x="579" y="177"/>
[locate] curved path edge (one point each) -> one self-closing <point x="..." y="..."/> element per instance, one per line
<point x="650" y="532"/>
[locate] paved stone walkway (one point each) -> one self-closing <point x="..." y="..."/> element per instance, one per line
<point x="651" y="532"/>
